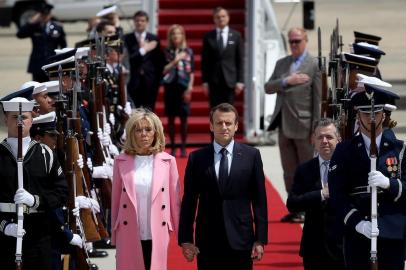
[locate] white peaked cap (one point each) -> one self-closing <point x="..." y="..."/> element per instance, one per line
<point x="64" y="61"/>
<point x="106" y="11"/>
<point x="52" y="86"/>
<point x="81" y="52"/>
<point x="38" y="87"/>
<point x="44" y="118"/>
<point x="362" y="79"/>
<point x="13" y="105"/>
<point x="64" y="50"/>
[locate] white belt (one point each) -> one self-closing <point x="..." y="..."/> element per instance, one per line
<point x="12" y="208"/>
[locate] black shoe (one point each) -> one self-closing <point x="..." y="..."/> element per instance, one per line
<point x="93" y="267"/>
<point x="103" y="244"/>
<point x="293" y="218"/>
<point x="94" y="253"/>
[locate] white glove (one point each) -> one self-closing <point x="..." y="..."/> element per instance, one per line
<point x="112" y="119"/>
<point x="76" y="241"/>
<point x="364" y="227"/>
<point x="11" y="230"/>
<point x="103" y="137"/>
<point x="107" y="128"/>
<point x="83" y="202"/>
<point x="89" y="163"/>
<point x="105" y="172"/>
<point x="94" y="205"/>
<point x="80" y="162"/>
<point x="23" y="196"/>
<point x="127" y="108"/>
<point x="76" y="210"/>
<point x="113" y="150"/>
<point x="377" y="179"/>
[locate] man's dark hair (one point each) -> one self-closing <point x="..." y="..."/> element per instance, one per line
<point x="100" y="27"/>
<point x="224" y="107"/>
<point x="325" y="122"/>
<point x="141" y="13"/>
<point x="218" y="9"/>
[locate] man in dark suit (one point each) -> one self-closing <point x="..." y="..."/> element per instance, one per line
<point x="226" y="183"/>
<point x="310" y="194"/>
<point x="351" y="176"/>
<point x="222" y="61"/>
<point x="297" y="82"/>
<point x="46" y="36"/>
<point x="146" y="63"/>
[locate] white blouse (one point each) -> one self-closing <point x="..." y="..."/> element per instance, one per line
<point x="144" y="166"/>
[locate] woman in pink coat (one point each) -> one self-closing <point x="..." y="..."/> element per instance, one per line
<point x="145" y="197"/>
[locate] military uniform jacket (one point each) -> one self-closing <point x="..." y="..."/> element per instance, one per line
<point x="43" y="178"/>
<point x="45" y="39"/>
<point x="348" y="181"/>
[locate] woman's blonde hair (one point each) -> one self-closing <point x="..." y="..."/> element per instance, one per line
<point x="172" y="29"/>
<point x="158" y="144"/>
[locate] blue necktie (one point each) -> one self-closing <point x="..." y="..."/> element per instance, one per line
<point x="325" y="174"/>
<point x="223" y="169"/>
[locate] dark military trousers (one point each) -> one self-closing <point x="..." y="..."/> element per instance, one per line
<point x="357" y="253"/>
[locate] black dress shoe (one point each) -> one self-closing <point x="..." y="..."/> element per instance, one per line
<point x="93" y="267"/>
<point x="293" y="218"/>
<point x="94" y="253"/>
<point x="103" y="244"/>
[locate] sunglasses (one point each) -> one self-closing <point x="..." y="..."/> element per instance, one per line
<point x="295" y="41"/>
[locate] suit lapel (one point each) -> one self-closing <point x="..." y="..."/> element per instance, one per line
<point x="235" y="163"/>
<point x="316" y="172"/>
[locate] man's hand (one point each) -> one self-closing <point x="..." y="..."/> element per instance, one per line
<point x="325" y="192"/>
<point x="377" y="179"/>
<point x="23" y="196"/>
<point x="364" y="227"/>
<point x="257" y="251"/>
<point x="239" y="87"/>
<point x="11" y="230"/>
<point x="189" y="251"/>
<point x="76" y="241"/>
<point x="297" y="78"/>
<point x="149" y="45"/>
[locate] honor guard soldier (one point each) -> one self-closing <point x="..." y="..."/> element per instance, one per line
<point x="41" y="190"/>
<point x="353" y="181"/>
<point x="46" y="35"/>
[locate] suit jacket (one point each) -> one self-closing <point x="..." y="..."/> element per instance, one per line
<point x="43" y="43"/>
<point x="297" y="107"/>
<point x="227" y="62"/>
<point x="305" y="196"/>
<point x="348" y="179"/>
<point x="165" y="207"/>
<point x="149" y="65"/>
<point x="241" y="206"/>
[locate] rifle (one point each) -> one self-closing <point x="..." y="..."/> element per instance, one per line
<point x="373" y="154"/>
<point x="20" y="207"/>
<point x="325" y="112"/>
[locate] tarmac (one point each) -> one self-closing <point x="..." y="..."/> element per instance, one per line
<point x="382" y="18"/>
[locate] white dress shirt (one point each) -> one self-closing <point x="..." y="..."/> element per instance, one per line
<point x="224" y="34"/>
<point x="367" y="142"/>
<point x="141" y="38"/>
<point x="144" y="166"/>
<point x="217" y="156"/>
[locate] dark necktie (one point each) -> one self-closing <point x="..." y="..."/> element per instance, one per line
<point x="223" y="169"/>
<point x="220" y="40"/>
<point x="325" y="174"/>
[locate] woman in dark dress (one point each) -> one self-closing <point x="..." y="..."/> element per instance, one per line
<point x="178" y="83"/>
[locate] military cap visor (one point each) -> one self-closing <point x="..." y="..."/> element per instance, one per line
<point x="363" y="101"/>
<point x="359" y="62"/>
<point x="363" y="37"/>
<point x="24" y="93"/>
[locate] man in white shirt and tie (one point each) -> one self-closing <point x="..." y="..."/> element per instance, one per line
<point x="310" y="194"/>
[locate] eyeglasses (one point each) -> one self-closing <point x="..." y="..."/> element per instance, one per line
<point x="295" y="41"/>
<point x="146" y="129"/>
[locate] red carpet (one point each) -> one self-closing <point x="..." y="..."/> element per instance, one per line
<point x="284" y="239"/>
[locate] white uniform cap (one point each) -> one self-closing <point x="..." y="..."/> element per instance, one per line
<point x="361" y="79"/>
<point x="13" y="105"/>
<point x="52" y="86"/>
<point x="106" y="11"/>
<point x="64" y="50"/>
<point x="64" y="61"/>
<point x="390" y="107"/>
<point x="38" y="87"/>
<point x="81" y="52"/>
<point x="44" y="118"/>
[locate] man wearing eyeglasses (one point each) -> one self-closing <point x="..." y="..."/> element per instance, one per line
<point x="296" y="81"/>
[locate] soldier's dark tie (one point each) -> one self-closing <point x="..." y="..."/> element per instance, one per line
<point x="220" y="40"/>
<point x="223" y="169"/>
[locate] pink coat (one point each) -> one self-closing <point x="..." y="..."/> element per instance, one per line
<point x="165" y="208"/>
